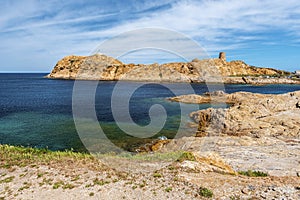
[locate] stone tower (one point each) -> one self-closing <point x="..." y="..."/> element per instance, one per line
<point x="222" y="56"/>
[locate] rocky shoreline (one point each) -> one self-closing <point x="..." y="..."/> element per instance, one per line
<point x="250" y="114"/>
<point x="260" y="80"/>
<point x="219" y="70"/>
<point x="258" y="130"/>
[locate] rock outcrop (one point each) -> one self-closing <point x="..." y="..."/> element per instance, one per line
<point x="102" y="67"/>
<point x="251" y="114"/>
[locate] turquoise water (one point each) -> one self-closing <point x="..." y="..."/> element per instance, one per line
<point x="37" y="112"/>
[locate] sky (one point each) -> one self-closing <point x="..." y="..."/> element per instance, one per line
<point x="35" y="34"/>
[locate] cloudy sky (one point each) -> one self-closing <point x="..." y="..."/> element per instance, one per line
<point x="35" y="34"/>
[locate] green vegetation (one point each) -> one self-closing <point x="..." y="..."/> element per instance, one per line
<point x="26" y="186"/>
<point x="68" y="186"/>
<point x="100" y="182"/>
<point x="186" y="156"/>
<point x="46" y="181"/>
<point x="157" y="175"/>
<point x="168" y="156"/>
<point x="143" y="184"/>
<point x="134" y="187"/>
<point x="7" y="180"/>
<point x="251" y="173"/>
<point x="91" y="194"/>
<point x="234" y="197"/>
<point x="204" y="192"/>
<point x="39" y="175"/>
<point x="24" y="156"/>
<point x="27" y="156"/>
<point x="58" y="184"/>
<point x="168" y="189"/>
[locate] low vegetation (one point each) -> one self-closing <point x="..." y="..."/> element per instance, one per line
<point x="251" y="173"/>
<point x="157" y="175"/>
<point x="186" y="156"/>
<point x="7" y="180"/>
<point x="204" y="192"/>
<point x="24" y="156"/>
<point x="157" y="156"/>
<point x="168" y="189"/>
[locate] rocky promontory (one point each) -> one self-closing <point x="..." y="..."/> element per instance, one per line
<point x="251" y="114"/>
<point x="258" y="131"/>
<point x="102" y="67"/>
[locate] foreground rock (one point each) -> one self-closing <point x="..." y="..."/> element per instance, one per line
<point x="101" y="67"/>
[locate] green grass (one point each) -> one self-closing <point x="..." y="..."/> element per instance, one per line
<point x="251" y="173"/>
<point x="204" y="192"/>
<point x="27" y="156"/>
<point x="157" y="156"/>
<point x="24" y="156"/>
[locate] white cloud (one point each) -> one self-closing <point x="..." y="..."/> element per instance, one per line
<point x="217" y="25"/>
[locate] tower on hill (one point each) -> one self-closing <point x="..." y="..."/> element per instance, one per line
<point x="222" y="56"/>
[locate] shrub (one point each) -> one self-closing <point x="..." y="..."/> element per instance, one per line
<point x="157" y="175"/>
<point x="186" y="156"/>
<point x="251" y="173"/>
<point x="204" y="192"/>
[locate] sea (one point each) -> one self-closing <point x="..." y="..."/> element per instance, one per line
<point x="37" y="112"/>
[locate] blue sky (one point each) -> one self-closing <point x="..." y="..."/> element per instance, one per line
<point x="35" y="34"/>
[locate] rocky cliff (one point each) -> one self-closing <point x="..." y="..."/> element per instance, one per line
<point x="102" y="67"/>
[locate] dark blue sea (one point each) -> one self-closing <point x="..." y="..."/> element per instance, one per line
<point x="37" y="112"/>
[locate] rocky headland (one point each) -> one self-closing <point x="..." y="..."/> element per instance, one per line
<point x="102" y="67"/>
<point x="250" y="114"/>
<point x="258" y="131"/>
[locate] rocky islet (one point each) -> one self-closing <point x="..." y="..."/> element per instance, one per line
<point x="102" y="67"/>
